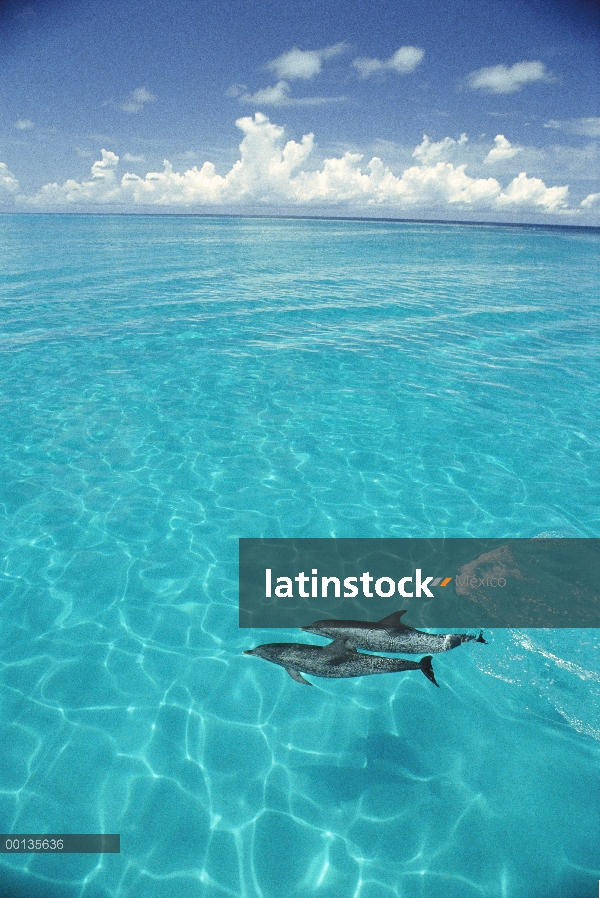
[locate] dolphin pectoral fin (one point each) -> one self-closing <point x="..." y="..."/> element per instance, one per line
<point x="297" y="676"/>
<point x="481" y="639"/>
<point x="392" y="620"/>
<point x="427" y="668"/>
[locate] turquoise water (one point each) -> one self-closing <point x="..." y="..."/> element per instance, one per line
<point x="170" y="384"/>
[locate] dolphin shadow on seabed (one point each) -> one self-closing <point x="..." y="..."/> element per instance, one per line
<point x="380" y="759"/>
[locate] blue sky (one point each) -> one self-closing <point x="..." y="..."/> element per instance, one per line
<point x="477" y="109"/>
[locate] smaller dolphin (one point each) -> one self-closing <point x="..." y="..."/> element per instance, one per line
<point x="389" y="635"/>
<point x="334" y="660"/>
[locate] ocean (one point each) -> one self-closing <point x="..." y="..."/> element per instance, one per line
<point x="171" y="384"/>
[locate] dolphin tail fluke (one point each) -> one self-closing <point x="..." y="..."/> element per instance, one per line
<point x="481" y="639"/>
<point x="427" y="668"/>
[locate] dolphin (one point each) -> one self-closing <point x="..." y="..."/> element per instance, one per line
<point x="334" y="660"/>
<point x="388" y="635"/>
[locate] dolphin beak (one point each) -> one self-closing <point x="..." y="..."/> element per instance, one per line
<point x="249" y="652"/>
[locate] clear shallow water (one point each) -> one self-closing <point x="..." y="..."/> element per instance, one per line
<point x="171" y="384"/>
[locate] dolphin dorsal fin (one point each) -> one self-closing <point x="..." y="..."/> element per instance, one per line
<point x="392" y="620"/>
<point x="337" y="648"/>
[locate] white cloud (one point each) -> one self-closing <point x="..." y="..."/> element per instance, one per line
<point x="236" y="90"/>
<point x="430" y="152"/>
<point x="136" y="100"/>
<point x="588" y="127"/>
<point x="8" y="183"/>
<point x="524" y="191"/>
<point x="278" y="172"/>
<point x="24" y="124"/>
<point x="104" y="169"/>
<point x="304" y="64"/>
<point x="102" y="188"/>
<point x="591" y="201"/>
<point x="131" y="157"/>
<point x="278" y="95"/>
<point x="502" y="150"/>
<point x="403" y="61"/>
<point x="500" y="79"/>
<point x="263" y="173"/>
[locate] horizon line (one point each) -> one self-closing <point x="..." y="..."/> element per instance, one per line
<point x="290" y="217"/>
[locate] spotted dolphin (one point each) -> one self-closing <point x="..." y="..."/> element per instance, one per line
<point x="334" y="660"/>
<point x="389" y="635"/>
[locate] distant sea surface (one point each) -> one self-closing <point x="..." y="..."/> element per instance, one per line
<point x="170" y="384"/>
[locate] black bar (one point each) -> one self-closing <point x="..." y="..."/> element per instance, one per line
<point x="290" y="583"/>
<point x="60" y="843"/>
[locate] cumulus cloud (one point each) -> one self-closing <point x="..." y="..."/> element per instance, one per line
<point x="102" y="188"/>
<point x="502" y="150"/>
<point x="524" y="191"/>
<point x="8" y="183"/>
<point x="131" y="157"/>
<point x="274" y="170"/>
<point x="588" y="127"/>
<point x="403" y="61"/>
<point x="136" y="100"/>
<point x="591" y="201"/>
<point x="501" y="79"/>
<point x="24" y="124"/>
<point x="304" y="64"/>
<point x="430" y="152"/>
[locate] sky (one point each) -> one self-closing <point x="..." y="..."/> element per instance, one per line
<point x="476" y="110"/>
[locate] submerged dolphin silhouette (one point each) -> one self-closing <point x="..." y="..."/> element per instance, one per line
<point x="334" y="660"/>
<point x="388" y="635"/>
